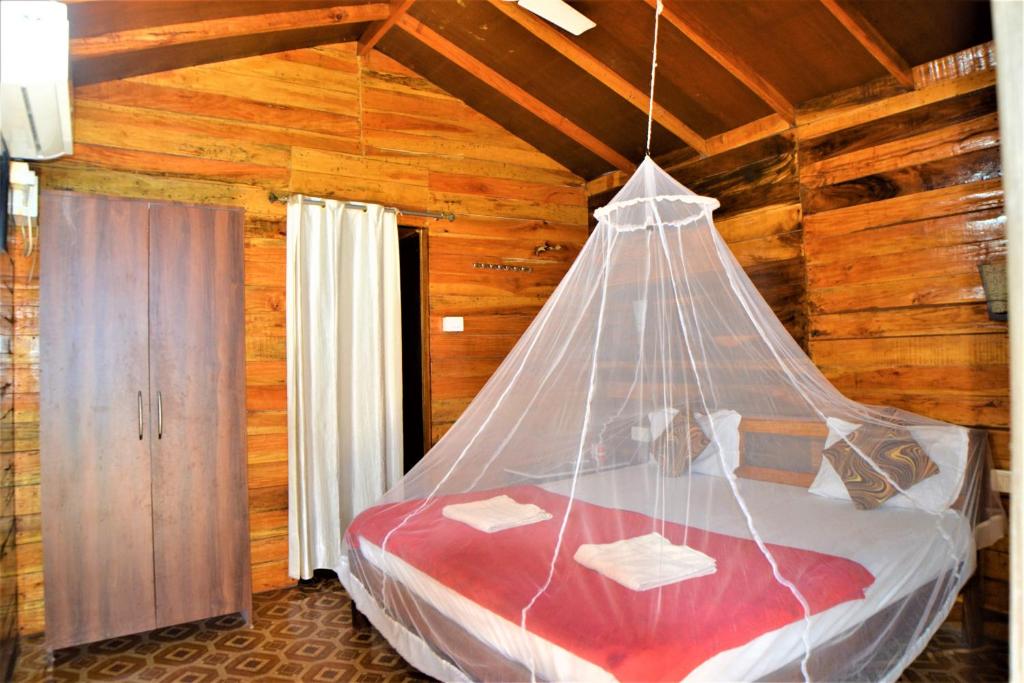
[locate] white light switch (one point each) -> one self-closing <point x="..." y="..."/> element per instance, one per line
<point x="452" y="323"/>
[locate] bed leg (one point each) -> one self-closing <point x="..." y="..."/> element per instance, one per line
<point x="973" y="621"/>
<point x="359" y="620"/>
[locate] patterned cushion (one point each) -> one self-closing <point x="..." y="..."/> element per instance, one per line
<point x="892" y="450"/>
<point x="679" y="445"/>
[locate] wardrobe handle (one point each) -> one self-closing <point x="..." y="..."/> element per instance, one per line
<point x="159" y="415"/>
<point x="140" y="416"/>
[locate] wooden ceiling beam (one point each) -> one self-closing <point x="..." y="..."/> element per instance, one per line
<point x="478" y="69"/>
<point x="605" y="182"/>
<point x="136" y="40"/>
<point x="770" y="125"/>
<point x="742" y="71"/>
<point x="599" y="70"/>
<point x="375" y="31"/>
<point x="873" y="41"/>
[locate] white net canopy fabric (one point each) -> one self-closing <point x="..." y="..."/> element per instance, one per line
<point x="658" y="484"/>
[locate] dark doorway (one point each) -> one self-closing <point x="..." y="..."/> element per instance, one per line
<point x="412" y="254"/>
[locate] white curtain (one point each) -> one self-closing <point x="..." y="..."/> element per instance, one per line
<point x="344" y="373"/>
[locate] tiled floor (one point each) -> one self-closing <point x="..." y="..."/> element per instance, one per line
<point x="305" y="633"/>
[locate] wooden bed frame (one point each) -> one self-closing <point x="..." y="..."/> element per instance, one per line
<point x="808" y="436"/>
<point x="813" y="433"/>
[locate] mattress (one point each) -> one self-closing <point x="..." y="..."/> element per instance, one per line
<point x="898" y="547"/>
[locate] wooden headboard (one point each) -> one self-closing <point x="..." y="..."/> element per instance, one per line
<point x="798" y="460"/>
<point x="797" y="453"/>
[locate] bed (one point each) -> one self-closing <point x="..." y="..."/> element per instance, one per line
<point x="657" y="389"/>
<point x="425" y="617"/>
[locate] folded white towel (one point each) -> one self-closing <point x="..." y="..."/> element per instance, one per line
<point x="645" y="562"/>
<point x="495" y="514"/>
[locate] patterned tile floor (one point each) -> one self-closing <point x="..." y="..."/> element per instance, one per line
<point x="305" y="633"/>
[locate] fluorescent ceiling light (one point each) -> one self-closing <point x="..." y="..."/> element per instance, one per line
<point x="560" y="14"/>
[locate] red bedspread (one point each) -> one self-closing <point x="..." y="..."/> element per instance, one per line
<point x="660" y="634"/>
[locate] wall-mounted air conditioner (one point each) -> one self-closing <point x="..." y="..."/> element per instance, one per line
<point x="35" y="106"/>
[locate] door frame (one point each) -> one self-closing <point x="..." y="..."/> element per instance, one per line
<point x="1007" y="18"/>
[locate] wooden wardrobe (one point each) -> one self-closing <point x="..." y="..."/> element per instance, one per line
<point x="142" y="416"/>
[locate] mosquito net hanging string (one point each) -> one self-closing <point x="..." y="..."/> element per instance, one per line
<point x="654" y="66"/>
<point x="584" y="429"/>
<point x="730" y="476"/>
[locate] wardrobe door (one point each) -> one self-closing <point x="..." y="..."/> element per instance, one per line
<point x="197" y="365"/>
<point x="94" y="433"/>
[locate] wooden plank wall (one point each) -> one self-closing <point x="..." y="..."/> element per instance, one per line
<point x="497" y="307"/>
<point x="8" y="558"/>
<point x="902" y="199"/>
<point x="323" y="122"/>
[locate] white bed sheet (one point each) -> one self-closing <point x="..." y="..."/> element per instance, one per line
<point x="897" y="547"/>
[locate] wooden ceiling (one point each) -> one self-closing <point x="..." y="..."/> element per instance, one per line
<point x="727" y="69"/>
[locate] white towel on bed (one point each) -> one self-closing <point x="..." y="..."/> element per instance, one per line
<point x="495" y="514"/>
<point x="644" y="562"/>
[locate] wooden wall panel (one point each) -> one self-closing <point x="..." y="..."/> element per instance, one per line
<point x="8" y="473"/>
<point x="318" y="121"/>
<point x="498" y="306"/>
<point x="902" y="200"/>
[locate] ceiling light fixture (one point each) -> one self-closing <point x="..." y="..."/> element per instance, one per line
<point x="561" y="14"/>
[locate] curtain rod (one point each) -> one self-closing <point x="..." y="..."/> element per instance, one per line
<point x="442" y="215"/>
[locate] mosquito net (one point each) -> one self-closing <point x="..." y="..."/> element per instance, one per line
<point x="658" y="484"/>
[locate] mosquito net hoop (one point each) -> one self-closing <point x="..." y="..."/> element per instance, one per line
<point x="658" y="484"/>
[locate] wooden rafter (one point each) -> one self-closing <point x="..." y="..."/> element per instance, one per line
<point x="478" y="69"/>
<point x="596" y="68"/>
<point x="135" y="40"/>
<point x="873" y="41"/>
<point x="770" y="125"/>
<point x="719" y="52"/>
<point x="605" y="182"/>
<point x="773" y="124"/>
<point x="375" y="31"/>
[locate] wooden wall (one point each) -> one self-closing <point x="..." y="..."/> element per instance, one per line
<point x="322" y="122"/>
<point x="902" y="200"/>
<point x="8" y="559"/>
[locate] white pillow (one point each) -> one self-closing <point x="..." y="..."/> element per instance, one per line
<point x="659" y="421"/>
<point x="945" y="445"/>
<point x="727" y="431"/>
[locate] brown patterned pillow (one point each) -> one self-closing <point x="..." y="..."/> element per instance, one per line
<point x="892" y="450"/>
<point x="678" y="445"/>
